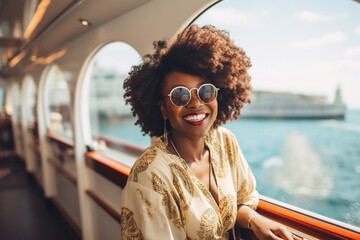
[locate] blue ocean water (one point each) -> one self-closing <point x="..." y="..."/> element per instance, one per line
<point x="311" y="164"/>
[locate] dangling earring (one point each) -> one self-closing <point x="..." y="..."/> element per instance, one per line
<point x="165" y="133"/>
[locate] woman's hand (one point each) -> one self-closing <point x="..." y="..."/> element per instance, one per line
<point x="265" y="229"/>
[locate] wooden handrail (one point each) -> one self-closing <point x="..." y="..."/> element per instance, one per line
<point x="120" y="145"/>
<point x="310" y="225"/>
<point x="102" y="203"/>
<point x="110" y="169"/>
<point x="63" y="170"/>
<point x="62" y="141"/>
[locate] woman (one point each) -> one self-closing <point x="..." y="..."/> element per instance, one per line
<point x="193" y="182"/>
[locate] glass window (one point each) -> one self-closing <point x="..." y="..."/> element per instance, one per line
<point x="57" y="97"/>
<point x="301" y="134"/>
<point x="2" y="97"/>
<point x="111" y="121"/>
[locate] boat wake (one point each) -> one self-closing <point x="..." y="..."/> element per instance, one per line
<point x="299" y="170"/>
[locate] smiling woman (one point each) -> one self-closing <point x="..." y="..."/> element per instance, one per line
<point x="77" y="137"/>
<point x="193" y="182"/>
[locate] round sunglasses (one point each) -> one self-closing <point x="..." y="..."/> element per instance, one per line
<point x="181" y="96"/>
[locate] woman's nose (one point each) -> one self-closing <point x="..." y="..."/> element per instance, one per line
<point x="195" y="102"/>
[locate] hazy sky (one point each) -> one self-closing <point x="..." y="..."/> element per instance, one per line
<point x="301" y="46"/>
<point x="305" y="46"/>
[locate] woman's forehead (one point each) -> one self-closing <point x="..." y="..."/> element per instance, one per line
<point x="174" y="79"/>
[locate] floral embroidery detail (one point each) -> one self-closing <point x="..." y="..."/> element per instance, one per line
<point x="230" y="150"/>
<point x="168" y="202"/>
<point x="201" y="186"/>
<point x="182" y="181"/>
<point x="218" y="158"/>
<point x="247" y="187"/>
<point x="142" y="163"/>
<point x="129" y="229"/>
<point x="147" y="203"/>
<point x="183" y="163"/>
<point x="227" y="206"/>
<point x="209" y="225"/>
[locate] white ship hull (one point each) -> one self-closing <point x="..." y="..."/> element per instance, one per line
<point x="295" y="112"/>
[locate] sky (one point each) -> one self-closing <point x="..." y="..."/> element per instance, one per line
<point x="307" y="46"/>
<point x="299" y="46"/>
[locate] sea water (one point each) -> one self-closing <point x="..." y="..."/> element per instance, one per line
<point x="311" y="164"/>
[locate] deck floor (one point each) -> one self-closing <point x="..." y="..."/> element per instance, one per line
<point x="24" y="211"/>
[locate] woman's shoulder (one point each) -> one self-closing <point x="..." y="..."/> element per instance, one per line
<point x="151" y="160"/>
<point x="220" y="134"/>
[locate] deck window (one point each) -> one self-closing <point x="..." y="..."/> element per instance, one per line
<point x="57" y="99"/>
<point x="111" y="121"/>
<point x="306" y="67"/>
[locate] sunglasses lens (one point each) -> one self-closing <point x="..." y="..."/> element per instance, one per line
<point x="207" y="93"/>
<point x="180" y="96"/>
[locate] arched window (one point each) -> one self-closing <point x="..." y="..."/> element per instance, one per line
<point x="111" y="121"/>
<point x="57" y="101"/>
<point x="303" y="53"/>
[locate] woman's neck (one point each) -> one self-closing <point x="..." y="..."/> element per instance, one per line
<point x="192" y="150"/>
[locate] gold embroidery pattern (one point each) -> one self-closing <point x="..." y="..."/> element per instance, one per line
<point x="230" y="150"/>
<point x="142" y="163"/>
<point x="227" y="206"/>
<point x="209" y="225"/>
<point x="168" y="202"/>
<point x="215" y="144"/>
<point x="203" y="189"/>
<point x="129" y="229"/>
<point x="147" y="203"/>
<point x="183" y="163"/>
<point x="183" y="185"/>
<point x="221" y="169"/>
<point x="247" y="187"/>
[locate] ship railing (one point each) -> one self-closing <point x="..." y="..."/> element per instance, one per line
<point x="109" y="175"/>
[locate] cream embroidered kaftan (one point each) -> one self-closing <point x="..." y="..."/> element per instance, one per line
<point x="163" y="199"/>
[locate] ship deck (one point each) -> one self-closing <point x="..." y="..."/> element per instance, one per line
<point x="24" y="211"/>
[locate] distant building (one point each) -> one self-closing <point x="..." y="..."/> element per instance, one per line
<point x="293" y="106"/>
<point x="107" y="94"/>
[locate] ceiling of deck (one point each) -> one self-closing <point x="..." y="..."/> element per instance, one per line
<point x="37" y="27"/>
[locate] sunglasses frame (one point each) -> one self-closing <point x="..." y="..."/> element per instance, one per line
<point x="190" y="90"/>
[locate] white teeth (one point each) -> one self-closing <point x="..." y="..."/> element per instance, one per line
<point x="195" y="118"/>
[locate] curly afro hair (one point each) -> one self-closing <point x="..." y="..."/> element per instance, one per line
<point x="205" y="52"/>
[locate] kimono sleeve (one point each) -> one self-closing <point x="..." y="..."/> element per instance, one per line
<point x="245" y="182"/>
<point x="145" y="215"/>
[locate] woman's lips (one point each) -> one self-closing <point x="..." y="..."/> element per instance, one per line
<point x="195" y="118"/>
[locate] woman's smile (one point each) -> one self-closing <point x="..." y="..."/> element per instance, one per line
<point x="193" y="120"/>
<point x="196" y="118"/>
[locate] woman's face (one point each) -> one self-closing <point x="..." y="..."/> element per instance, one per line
<point x="196" y="118"/>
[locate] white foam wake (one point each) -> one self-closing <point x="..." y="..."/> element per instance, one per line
<point x="301" y="171"/>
